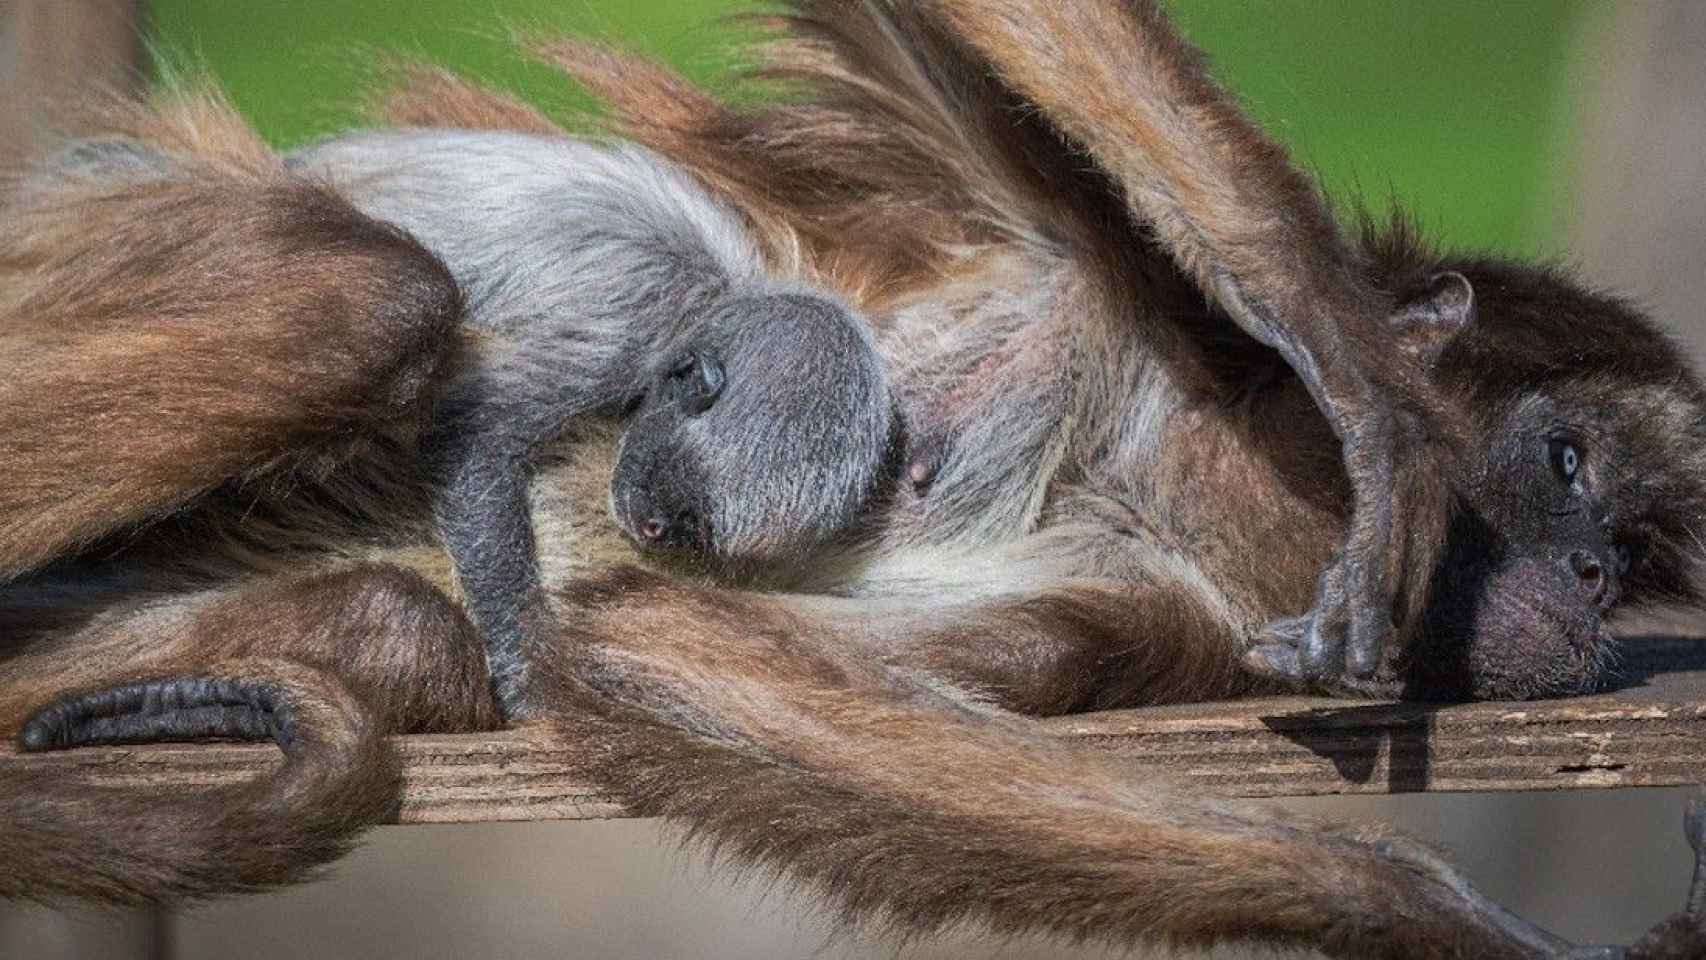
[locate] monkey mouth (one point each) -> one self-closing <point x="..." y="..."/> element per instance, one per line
<point x="1602" y="660"/>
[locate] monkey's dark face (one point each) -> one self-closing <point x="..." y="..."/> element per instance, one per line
<point x="1581" y="490"/>
<point x="761" y="438"/>
<point x="1535" y="560"/>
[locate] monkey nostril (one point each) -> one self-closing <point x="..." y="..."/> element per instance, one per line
<point x="653" y="529"/>
<point x="1591" y="573"/>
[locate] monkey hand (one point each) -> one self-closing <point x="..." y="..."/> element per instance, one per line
<point x="1388" y="415"/>
<point x="1342" y="644"/>
<point x="1681" y="936"/>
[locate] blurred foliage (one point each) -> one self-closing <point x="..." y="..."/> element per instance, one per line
<point x="1449" y="106"/>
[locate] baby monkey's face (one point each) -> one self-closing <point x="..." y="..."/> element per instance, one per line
<point x="761" y="439"/>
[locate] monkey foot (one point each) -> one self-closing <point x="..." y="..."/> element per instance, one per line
<point x="157" y="711"/>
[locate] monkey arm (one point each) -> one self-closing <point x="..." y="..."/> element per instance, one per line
<point x="760" y="724"/>
<point x="162" y="335"/>
<point x="511" y="397"/>
<point x="1257" y="237"/>
<point x="487" y="526"/>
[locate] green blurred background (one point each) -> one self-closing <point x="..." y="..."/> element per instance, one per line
<point x="1448" y="105"/>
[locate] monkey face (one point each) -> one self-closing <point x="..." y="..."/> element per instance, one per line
<point x="1580" y="489"/>
<point x="762" y="438"/>
<point x="1533" y="563"/>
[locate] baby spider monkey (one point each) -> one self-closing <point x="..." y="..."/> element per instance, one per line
<point x="755" y="418"/>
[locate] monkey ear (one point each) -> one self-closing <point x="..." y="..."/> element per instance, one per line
<point x="1428" y="321"/>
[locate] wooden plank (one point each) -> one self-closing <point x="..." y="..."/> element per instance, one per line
<point x="1649" y="732"/>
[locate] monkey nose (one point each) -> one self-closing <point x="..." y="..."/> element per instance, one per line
<point x="681" y="530"/>
<point x="1591" y="574"/>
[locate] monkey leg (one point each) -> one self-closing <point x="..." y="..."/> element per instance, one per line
<point x="399" y="642"/>
<point x="1257" y="237"/>
<point x="165" y="334"/>
<point x="765" y="728"/>
<point x="60" y="838"/>
<point x="323" y="665"/>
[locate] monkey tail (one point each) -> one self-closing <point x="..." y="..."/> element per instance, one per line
<point x="61" y="837"/>
<point x="911" y="807"/>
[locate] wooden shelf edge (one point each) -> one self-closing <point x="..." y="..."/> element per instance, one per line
<point x="1257" y="748"/>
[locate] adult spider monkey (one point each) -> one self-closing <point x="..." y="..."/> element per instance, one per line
<point x="1112" y="311"/>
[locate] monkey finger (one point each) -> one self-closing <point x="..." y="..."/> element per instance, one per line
<point x="1274" y="654"/>
<point x="1281" y="653"/>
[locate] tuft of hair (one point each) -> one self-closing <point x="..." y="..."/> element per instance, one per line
<point x="188" y="119"/>
<point x="423" y="95"/>
<point x="897" y="158"/>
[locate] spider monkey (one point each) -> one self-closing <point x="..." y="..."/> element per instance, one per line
<point x="1182" y="437"/>
<point x="757" y="416"/>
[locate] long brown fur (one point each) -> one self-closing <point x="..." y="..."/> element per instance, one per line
<point x="277" y="325"/>
<point x="352" y="656"/>
<point x="1063" y="230"/>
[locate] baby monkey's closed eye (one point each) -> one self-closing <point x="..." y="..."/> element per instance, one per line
<point x="696" y="379"/>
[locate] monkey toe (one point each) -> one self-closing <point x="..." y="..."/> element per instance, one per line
<point x="159" y="711"/>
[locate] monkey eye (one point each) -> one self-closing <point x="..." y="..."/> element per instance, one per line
<point x="1622" y="558"/>
<point x="698" y="380"/>
<point x="1566" y="460"/>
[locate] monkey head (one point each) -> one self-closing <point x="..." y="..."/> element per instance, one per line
<point x="1576" y="485"/>
<point x="759" y="436"/>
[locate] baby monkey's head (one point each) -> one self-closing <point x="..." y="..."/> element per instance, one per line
<point x="760" y="436"/>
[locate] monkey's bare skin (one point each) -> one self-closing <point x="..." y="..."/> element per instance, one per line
<point x="1112" y="309"/>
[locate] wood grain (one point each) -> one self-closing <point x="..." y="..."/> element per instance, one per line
<point x="1651" y="731"/>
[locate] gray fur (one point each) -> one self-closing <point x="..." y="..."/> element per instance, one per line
<point x="589" y="272"/>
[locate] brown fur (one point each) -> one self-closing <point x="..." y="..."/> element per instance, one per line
<point x="301" y="325"/>
<point x="1066" y="230"/>
<point x="759" y="733"/>
<point x="425" y="96"/>
<point x="356" y="656"/>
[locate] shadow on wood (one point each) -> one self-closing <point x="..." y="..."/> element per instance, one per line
<point x="1649" y="732"/>
<point x="1390" y="748"/>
